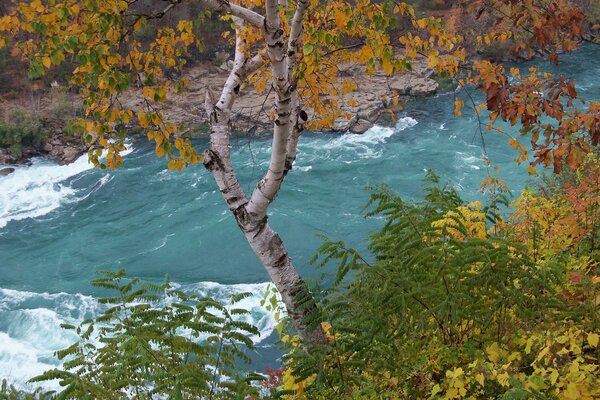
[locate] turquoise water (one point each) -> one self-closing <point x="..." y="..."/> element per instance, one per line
<point x="59" y="224"/>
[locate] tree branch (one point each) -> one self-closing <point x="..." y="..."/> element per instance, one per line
<point x="251" y="17"/>
<point x="268" y="187"/>
<point x="217" y="158"/>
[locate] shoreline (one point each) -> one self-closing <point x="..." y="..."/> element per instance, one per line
<point x="375" y="97"/>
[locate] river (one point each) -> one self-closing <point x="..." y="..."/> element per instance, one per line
<point x="59" y="224"/>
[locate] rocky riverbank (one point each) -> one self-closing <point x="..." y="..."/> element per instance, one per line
<point x="55" y="146"/>
<point x="375" y="95"/>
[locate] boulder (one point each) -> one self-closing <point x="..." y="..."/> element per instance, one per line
<point x="401" y="85"/>
<point x="6" y="171"/>
<point x="371" y="114"/>
<point x="361" y="126"/>
<point x="424" y="87"/>
<point x="414" y="85"/>
<point x="69" y="155"/>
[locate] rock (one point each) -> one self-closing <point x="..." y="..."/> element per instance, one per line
<point x="414" y="85"/>
<point x="47" y="147"/>
<point x="221" y="57"/>
<point x="198" y="73"/>
<point x="69" y="155"/>
<point x="351" y="69"/>
<point x="371" y="114"/>
<point x="424" y="87"/>
<point x="401" y="85"/>
<point x="343" y="124"/>
<point x="6" y="171"/>
<point x="361" y="126"/>
<point x="227" y="65"/>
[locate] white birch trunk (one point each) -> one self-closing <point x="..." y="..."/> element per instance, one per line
<point x="251" y="215"/>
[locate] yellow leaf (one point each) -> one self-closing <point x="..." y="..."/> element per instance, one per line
<point x="458" y="104"/>
<point x="47" y="62"/>
<point x="531" y="170"/>
<point x="387" y="65"/>
<point x="572" y="392"/>
<point x="493" y="352"/>
<point x="514" y="143"/>
<point x="554" y="376"/>
<point x="143" y="119"/>
<point x="480" y="378"/>
<point x="340" y="19"/>
<point x="592" y="339"/>
<point x="503" y="379"/>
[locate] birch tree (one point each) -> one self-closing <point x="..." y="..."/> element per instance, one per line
<point x="293" y="48"/>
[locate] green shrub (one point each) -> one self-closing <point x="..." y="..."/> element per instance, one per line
<point x="444" y="308"/>
<point x="19" y="130"/>
<point x="9" y="392"/>
<point x="149" y="344"/>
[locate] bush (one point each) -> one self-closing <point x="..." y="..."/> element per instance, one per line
<point x="21" y="129"/>
<point x="156" y="342"/>
<point x="448" y="309"/>
<point x="9" y="392"/>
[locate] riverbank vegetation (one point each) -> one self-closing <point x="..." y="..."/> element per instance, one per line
<point x="459" y="302"/>
<point x="21" y="129"/>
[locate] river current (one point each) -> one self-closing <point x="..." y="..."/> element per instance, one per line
<point x="59" y="224"/>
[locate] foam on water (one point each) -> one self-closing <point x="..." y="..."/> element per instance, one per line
<point x="375" y="135"/>
<point x="353" y="146"/>
<point x="30" y="322"/>
<point x="37" y="189"/>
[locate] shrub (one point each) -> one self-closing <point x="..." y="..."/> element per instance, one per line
<point x="446" y="309"/>
<point x="154" y="341"/>
<point x="21" y="129"/>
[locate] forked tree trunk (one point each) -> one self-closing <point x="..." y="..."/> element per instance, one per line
<point x="263" y="240"/>
<point x="251" y="213"/>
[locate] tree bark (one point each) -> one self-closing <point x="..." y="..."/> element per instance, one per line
<point x="251" y="215"/>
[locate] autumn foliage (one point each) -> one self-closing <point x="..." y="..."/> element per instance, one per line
<point x="451" y="307"/>
<point x="100" y="39"/>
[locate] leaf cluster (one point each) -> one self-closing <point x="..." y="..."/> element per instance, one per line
<point x="154" y="341"/>
<point x="432" y="297"/>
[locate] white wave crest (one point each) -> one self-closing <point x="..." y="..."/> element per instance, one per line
<point x="368" y="144"/>
<point x="37" y="189"/>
